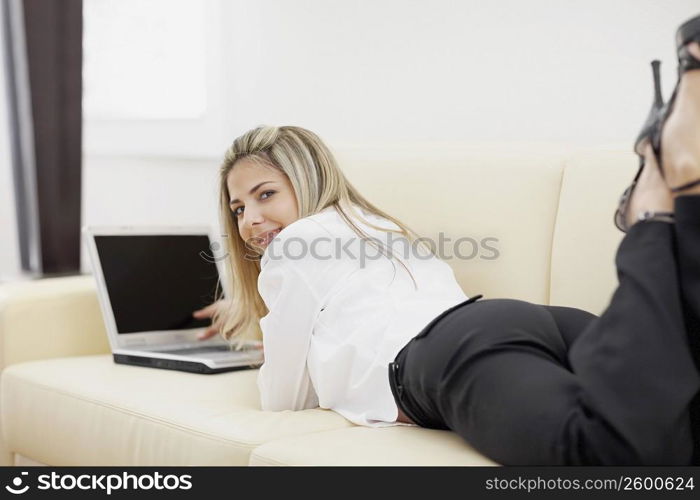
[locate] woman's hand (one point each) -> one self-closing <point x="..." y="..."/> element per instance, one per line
<point x="208" y="312"/>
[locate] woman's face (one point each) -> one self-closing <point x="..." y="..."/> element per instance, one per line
<point x="262" y="201"/>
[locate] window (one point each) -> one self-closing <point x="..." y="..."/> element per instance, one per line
<point x="144" y="59"/>
<point x="150" y="71"/>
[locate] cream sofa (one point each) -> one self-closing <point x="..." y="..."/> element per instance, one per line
<point x="64" y="402"/>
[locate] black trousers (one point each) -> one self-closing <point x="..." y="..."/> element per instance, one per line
<point x="530" y="384"/>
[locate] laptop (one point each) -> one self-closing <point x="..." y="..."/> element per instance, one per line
<point x="149" y="281"/>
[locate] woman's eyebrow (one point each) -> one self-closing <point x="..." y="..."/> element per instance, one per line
<point x="250" y="192"/>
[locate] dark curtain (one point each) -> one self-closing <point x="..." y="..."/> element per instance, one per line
<point x="43" y="48"/>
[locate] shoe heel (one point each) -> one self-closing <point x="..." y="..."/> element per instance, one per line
<point x="645" y="134"/>
<point x="654" y="114"/>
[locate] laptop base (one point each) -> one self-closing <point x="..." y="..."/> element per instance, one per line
<point x="176" y="364"/>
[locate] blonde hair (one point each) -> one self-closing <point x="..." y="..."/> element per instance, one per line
<point x="318" y="183"/>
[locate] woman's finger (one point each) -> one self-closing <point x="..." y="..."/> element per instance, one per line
<point x="208" y="333"/>
<point x="205" y="312"/>
<point x="209" y="312"/>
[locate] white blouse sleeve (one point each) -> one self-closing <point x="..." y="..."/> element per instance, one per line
<point x="283" y="380"/>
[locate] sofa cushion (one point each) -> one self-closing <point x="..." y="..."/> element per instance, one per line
<point x="75" y="327"/>
<point x="402" y="445"/>
<point x="89" y="410"/>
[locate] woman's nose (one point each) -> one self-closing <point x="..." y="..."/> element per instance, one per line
<point x="252" y="216"/>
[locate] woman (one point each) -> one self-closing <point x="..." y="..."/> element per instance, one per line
<point x="522" y="383"/>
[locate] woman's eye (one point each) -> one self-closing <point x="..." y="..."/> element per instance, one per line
<point x="239" y="210"/>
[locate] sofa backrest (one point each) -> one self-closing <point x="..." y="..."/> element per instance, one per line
<point x="585" y="239"/>
<point x="546" y="210"/>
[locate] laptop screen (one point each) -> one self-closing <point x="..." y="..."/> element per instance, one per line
<point x="155" y="282"/>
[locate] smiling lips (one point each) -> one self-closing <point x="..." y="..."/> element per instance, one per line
<point x="264" y="239"/>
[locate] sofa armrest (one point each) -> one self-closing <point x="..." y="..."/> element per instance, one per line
<point x="50" y="318"/>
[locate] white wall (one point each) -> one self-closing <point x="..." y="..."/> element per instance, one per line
<point x="574" y="71"/>
<point x="9" y="251"/>
<point x="124" y="191"/>
<point x="403" y="71"/>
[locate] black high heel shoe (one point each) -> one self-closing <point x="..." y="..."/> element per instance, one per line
<point x="650" y="124"/>
<point x="653" y="127"/>
<point x="688" y="32"/>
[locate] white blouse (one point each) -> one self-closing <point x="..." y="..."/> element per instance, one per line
<point x="339" y="313"/>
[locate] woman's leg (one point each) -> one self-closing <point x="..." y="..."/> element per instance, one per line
<point x="688" y="247"/>
<point x="633" y="364"/>
<point x="688" y="244"/>
<point x="570" y="321"/>
<point x="498" y="372"/>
